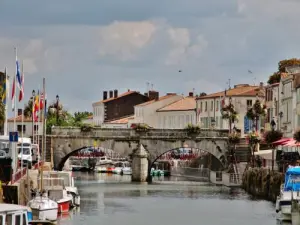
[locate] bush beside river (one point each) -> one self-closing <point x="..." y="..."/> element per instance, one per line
<point x="262" y="183"/>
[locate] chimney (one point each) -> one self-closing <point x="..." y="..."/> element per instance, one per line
<point x="104" y="95"/>
<point x="146" y="94"/>
<point x="171" y="93"/>
<point x="191" y="94"/>
<point x="19" y="112"/>
<point x="115" y="93"/>
<point x="128" y="90"/>
<point x="153" y="95"/>
<point x="111" y="94"/>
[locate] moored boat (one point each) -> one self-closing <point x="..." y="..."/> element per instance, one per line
<point x="11" y="214"/>
<point x="43" y="208"/>
<point x="122" y="168"/>
<point x="289" y="192"/>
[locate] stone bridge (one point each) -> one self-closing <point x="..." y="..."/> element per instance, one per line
<point x="66" y="141"/>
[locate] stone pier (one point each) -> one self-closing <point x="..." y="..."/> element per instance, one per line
<point x="140" y="165"/>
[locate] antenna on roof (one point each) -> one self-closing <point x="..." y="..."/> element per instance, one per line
<point x="193" y="91"/>
<point x="147" y="86"/>
<point x="228" y="82"/>
<point x="151" y="87"/>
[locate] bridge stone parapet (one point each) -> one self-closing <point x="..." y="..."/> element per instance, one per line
<point x="67" y="140"/>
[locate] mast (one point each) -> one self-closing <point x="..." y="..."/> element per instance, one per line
<point x="42" y="166"/>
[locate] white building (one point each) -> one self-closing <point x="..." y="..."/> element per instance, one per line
<point x="287" y="106"/>
<point x="242" y="97"/>
<point x="147" y="112"/>
<point x="177" y="115"/>
<point x="27" y="126"/>
<point x="272" y="95"/>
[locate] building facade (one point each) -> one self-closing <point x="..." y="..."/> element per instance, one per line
<point x="177" y="115"/>
<point x="147" y="112"/>
<point x="242" y="96"/>
<point x="116" y="106"/>
<point x="27" y="126"/>
<point x="272" y="98"/>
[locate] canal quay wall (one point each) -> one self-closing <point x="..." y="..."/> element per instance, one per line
<point x="262" y="183"/>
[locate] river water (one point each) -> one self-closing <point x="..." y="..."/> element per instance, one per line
<point x="113" y="200"/>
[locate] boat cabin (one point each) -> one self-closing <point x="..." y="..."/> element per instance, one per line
<point x="11" y="214"/>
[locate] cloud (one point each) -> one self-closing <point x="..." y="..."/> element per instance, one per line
<point x="122" y="40"/>
<point x="104" y="45"/>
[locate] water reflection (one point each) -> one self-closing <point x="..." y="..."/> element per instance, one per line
<point x="114" y="200"/>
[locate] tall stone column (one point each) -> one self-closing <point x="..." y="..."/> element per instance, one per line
<point x="140" y="165"/>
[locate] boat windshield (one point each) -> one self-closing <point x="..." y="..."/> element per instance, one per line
<point x="26" y="151"/>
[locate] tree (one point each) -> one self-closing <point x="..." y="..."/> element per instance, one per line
<point x="275" y="77"/>
<point x="202" y="94"/>
<point x="79" y="116"/>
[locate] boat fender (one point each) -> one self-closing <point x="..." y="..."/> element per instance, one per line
<point x="277" y="206"/>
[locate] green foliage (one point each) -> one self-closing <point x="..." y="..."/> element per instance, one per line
<point x="202" y="94"/>
<point x="234" y="138"/>
<point x="254" y="138"/>
<point x="86" y="127"/>
<point x="228" y="113"/>
<point x="257" y="110"/>
<point x="297" y="135"/>
<point x="272" y="136"/>
<point x="275" y="77"/>
<point x="193" y="129"/>
<point x="141" y="127"/>
<point x="80" y="116"/>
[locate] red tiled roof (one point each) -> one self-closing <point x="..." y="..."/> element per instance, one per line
<point x="123" y="120"/>
<point x="19" y="119"/>
<point x="238" y="91"/>
<point x="185" y="104"/>
<point x="119" y="96"/>
<point x="159" y="99"/>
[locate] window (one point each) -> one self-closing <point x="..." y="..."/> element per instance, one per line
<point x="19" y="127"/>
<point x="217" y="106"/>
<point x="8" y="219"/>
<point x="298" y="95"/>
<point x="249" y="103"/>
<point x="276" y="107"/>
<point x="211" y="105"/>
<point x="1" y="219"/>
<point x="24" y="222"/>
<point x="205" y="106"/>
<point x="36" y="127"/>
<point x="201" y="107"/>
<point x="17" y="219"/>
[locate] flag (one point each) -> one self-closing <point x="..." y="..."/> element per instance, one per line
<point x="21" y="93"/>
<point x="41" y="104"/>
<point x="4" y="88"/>
<point x="37" y="102"/>
<point x="13" y="94"/>
<point x="18" y="75"/>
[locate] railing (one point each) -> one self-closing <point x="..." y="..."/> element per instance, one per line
<point x="121" y="133"/>
<point x="52" y="183"/>
<point x="38" y="165"/>
<point x="188" y="172"/>
<point x="18" y="175"/>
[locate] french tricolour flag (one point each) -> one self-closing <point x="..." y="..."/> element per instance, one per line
<point x="21" y="93"/>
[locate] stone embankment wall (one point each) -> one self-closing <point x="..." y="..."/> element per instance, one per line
<point x="262" y="183"/>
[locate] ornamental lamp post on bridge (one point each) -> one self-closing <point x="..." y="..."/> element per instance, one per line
<point x="57" y="109"/>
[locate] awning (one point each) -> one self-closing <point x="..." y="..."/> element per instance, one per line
<point x="266" y="154"/>
<point x="291" y="143"/>
<point x="282" y="141"/>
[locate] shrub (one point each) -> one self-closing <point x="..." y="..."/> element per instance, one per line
<point x="86" y="128"/>
<point x="272" y="136"/>
<point x="141" y="127"/>
<point x="193" y="129"/>
<point x="234" y="138"/>
<point x="297" y="135"/>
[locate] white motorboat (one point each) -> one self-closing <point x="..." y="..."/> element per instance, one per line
<point x="68" y="184"/>
<point x="122" y="168"/>
<point x="11" y="214"/>
<point x="101" y="169"/>
<point x="104" y="160"/>
<point x="289" y="191"/>
<point x="63" y="199"/>
<point x="43" y="208"/>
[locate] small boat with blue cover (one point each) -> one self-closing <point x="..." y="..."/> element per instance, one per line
<point x="290" y="190"/>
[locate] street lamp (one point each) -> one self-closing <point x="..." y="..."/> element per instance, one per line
<point x="32" y="111"/>
<point x="57" y="108"/>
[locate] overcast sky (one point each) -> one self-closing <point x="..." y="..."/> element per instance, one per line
<point x="85" y="47"/>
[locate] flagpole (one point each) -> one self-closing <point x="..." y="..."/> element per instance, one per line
<point x="44" y="88"/>
<point x="14" y="152"/>
<point x="6" y="101"/>
<point x="22" y="123"/>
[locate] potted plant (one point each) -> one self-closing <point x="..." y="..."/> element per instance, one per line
<point x="272" y="136"/>
<point x="141" y="127"/>
<point x="234" y="138"/>
<point x="86" y="127"/>
<point x="193" y="129"/>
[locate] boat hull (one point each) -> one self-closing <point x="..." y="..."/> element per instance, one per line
<point x="77" y="200"/>
<point x="46" y="214"/>
<point x="64" y="206"/>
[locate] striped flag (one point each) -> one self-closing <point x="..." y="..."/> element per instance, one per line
<point x="21" y="93"/>
<point x="18" y="75"/>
